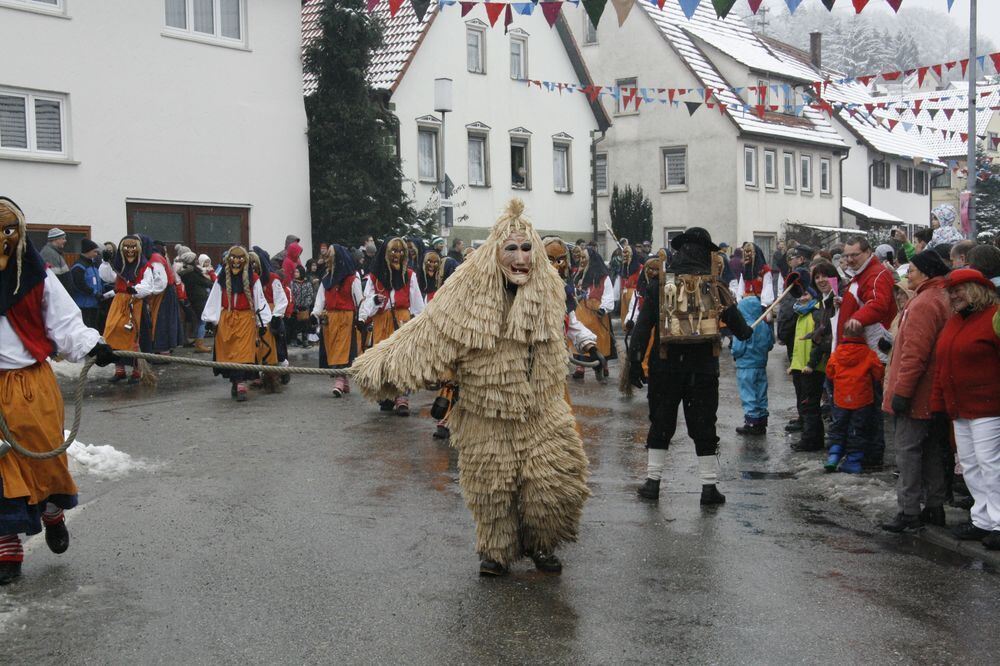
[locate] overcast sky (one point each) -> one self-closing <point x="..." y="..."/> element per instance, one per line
<point x="989" y="11"/>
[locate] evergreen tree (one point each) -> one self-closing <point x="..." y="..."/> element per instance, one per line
<point x="631" y="213"/>
<point x="355" y="177"/>
<point x="987" y="194"/>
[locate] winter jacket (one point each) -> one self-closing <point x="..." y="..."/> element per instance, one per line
<point x="304" y="294"/>
<point x="822" y="335"/>
<point x="752" y="353"/>
<point x="87" y="285"/>
<point x="853" y="368"/>
<point x="967" y="378"/>
<point x="869" y="299"/>
<point x="911" y="369"/>
<point x="808" y="319"/>
<point x="786" y="309"/>
<point x="197" y="285"/>
<point x="290" y="262"/>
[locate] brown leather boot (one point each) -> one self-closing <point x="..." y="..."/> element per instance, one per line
<point x="200" y="348"/>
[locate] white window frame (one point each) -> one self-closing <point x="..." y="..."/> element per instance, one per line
<point x="589" y="31"/>
<point x="216" y="38"/>
<point x="806" y="173"/>
<point x="883" y="166"/>
<point x="601" y="192"/>
<point x="522" y="39"/>
<point x="923" y="177"/>
<point x="473" y="28"/>
<point x="766" y="240"/>
<point x="32" y="151"/>
<point x="901" y="186"/>
<point x="38" y="6"/>
<point x="563" y="145"/>
<point x="484" y="136"/>
<point x="435" y="133"/>
<point x="670" y="233"/>
<point x="788" y="170"/>
<point x="633" y="107"/>
<point x="522" y="140"/>
<point x="750" y="175"/>
<point x="770" y="154"/>
<point x="665" y="153"/>
<point x="825" y="175"/>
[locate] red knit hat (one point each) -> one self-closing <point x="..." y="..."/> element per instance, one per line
<point x="963" y="275"/>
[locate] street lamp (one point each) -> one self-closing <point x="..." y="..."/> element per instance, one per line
<point x="442" y="104"/>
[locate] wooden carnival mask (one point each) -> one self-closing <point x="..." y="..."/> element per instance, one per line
<point x="237" y="260"/>
<point x="10" y="239"/>
<point x="395" y="254"/>
<point x="515" y="258"/>
<point x="558" y="256"/>
<point x="130" y="249"/>
<point x="652" y="270"/>
<point x="431" y="263"/>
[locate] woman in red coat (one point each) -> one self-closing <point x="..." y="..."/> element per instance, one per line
<point x="967" y="388"/>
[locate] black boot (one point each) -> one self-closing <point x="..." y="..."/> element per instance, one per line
<point x="546" y="562"/>
<point x="711" y="495"/>
<point x="386" y="405"/>
<point x="491" y="569"/>
<point x="795" y="425"/>
<point x="804" y="447"/>
<point x="9" y="571"/>
<point x="752" y="430"/>
<point x="903" y="523"/>
<point x="933" y="515"/>
<point x="441" y="432"/>
<point x="57" y="537"/>
<point x="650" y="489"/>
<point x="968" y="532"/>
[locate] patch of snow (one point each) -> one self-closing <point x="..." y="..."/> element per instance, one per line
<point x="103" y="460"/>
<point x="70" y="370"/>
<point x="872" y="496"/>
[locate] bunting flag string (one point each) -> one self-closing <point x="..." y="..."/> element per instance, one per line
<point x="595" y="8"/>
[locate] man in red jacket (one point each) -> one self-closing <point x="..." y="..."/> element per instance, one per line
<point x="867" y="311"/>
<point x="909" y="380"/>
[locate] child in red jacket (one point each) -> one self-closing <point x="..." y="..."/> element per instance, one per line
<point x="853" y="369"/>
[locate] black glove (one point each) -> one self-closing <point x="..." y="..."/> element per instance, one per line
<point x="262" y="331"/>
<point x="635" y="376"/>
<point x="103" y="354"/>
<point x="629" y="325"/>
<point x="601" y="312"/>
<point x="379" y="300"/>
<point x="595" y="355"/>
<point x="884" y="345"/>
<point x="901" y="406"/>
<point x="735" y="322"/>
<point x="130" y="290"/>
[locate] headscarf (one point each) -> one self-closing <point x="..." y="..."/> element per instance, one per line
<point x="343" y="266"/>
<point x="430" y="285"/>
<point x="265" y="264"/>
<point x="633" y="265"/>
<point x="388" y="278"/>
<point x="421" y="251"/>
<point x="25" y="269"/>
<point x="596" y="270"/>
<point x="948" y="233"/>
<point x="752" y="272"/>
<point x="129" y="272"/>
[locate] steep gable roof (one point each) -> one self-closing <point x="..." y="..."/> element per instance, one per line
<point x="933" y="116"/>
<point x="732" y="37"/>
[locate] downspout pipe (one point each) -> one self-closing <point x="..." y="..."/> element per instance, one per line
<point x="594" y="140"/>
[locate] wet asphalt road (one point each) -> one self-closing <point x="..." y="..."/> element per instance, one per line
<point x="297" y="528"/>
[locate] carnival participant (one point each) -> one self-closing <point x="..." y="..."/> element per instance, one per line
<point x="652" y="269"/>
<point x="129" y="326"/>
<point x="595" y="300"/>
<point x="430" y="275"/>
<point x="578" y="336"/>
<point x="750" y="357"/>
<point x="497" y="325"/>
<point x="164" y="307"/>
<point x="273" y="348"/>
<point x="684" y="366"/>
<point x="238" y="309"/>
<point x="37" y="319"/>
<point x="630" y="271"/>
<point x="391" y="297"/>
<point x="337" y="301"/>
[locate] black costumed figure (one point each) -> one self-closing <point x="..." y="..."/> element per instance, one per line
<point x="681" y="312"/>
<point x="129" y="324"/>
<point x="37" y="319"/>
<point x="239" y="311"/>
<point x="497" y="327"/>
<point x="337" y="301"/>
<point x="163" y="305"/>
<point x="391" y="297"/>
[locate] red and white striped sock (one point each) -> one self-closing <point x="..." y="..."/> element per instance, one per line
<point x="52" y="515"/>
<point x="10" y="548"/>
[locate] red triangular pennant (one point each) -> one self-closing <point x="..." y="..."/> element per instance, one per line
<point x="892" y="124"/>
<point x="921" y="73"/>
<point x="372" y="4"/>
<point x="995" y="57"/>
<point x="754" y="5"/>
<point x="859" y="5"/>
<point x="937" y="69"/>
<point x="948" y="113"/>
<point x="467" y="7"/>
<point x="394" y="6"/>
<point x="891" y="76"/>
<point x="551" y="11"/>
<point x="508" y="18"/>
<point x="895" y="4"/>
<point x="493" y="10"/>
<point x="866" y="80"/>
<point x="965" y="65"/>
<point x="964" y="136"/>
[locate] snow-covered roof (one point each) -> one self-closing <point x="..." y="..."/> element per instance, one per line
<point x="402" y="34"/>
<point x="811" y="127"/>
<point x="855" y="207"/>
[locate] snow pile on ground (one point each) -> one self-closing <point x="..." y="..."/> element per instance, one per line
<point x="70" y="370"/>
<point x="873" y="496"/>
<point x="103" y="460"/>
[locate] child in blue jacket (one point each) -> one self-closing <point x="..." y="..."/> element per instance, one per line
<point x="751" y="364"/>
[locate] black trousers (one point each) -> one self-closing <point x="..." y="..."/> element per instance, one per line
<point x="808" y="394"/>
<point x="698" y="393"/>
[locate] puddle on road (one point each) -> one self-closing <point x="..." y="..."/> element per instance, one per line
<point x="752" y="475"/>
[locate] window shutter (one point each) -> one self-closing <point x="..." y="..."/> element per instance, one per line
<point x="48" y="125"/>
<point x="601" y="173"/>
<point x="13" y="122"/>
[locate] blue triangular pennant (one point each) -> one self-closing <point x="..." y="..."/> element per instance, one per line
<point x="689" y="6"/>
<point x="793" y="5"/>
<point x="523" y="8"/>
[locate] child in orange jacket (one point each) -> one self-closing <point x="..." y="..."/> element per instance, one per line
<point x="853" y="369"/>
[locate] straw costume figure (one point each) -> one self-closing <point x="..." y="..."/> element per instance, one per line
<point x="237" y="307"/>
<point x="497" y="327"/>
<point x="37" y="319"/>
<point x="336" y="309"/>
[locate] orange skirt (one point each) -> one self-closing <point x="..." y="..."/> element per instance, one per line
<point x="599" y="326"/>
<point x="340" y="338"/>
<point x="383" y="325"/>
<point x="33" y="406"/>
<point x="627" y="295"/>
<point x="236" y="337"/>
<point x="118" y="316"/>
